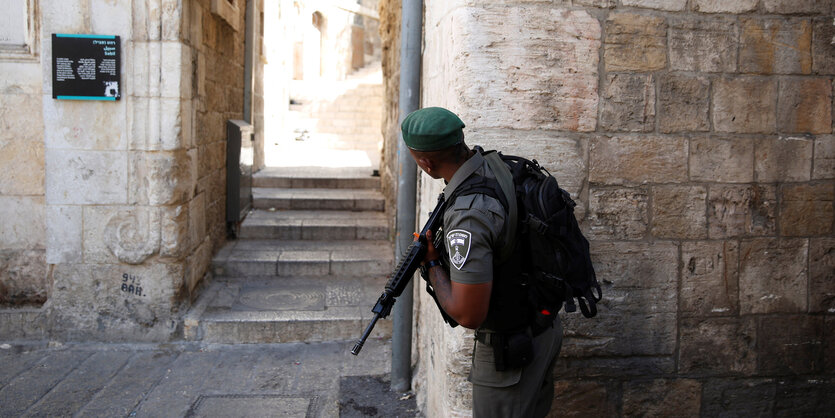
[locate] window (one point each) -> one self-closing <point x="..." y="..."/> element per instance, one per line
<point x="18" y="30"/>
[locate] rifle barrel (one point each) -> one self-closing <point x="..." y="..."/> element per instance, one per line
<point x="361" y="341"/>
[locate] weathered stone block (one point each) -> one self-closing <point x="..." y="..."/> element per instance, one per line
<point x="173" y="20"/>
<point x="174" y="231"/>
<point x="582" y="397"/>
<point x="679" y="212"/>
<point x="21" y="143"/>
<point x="706" y="44"/>
<point x="637" y="159"/>
<point x="766" y="289"/>
<point x="738" y="398"/>
<point x="85" y="125"/>
<point x="790" y="344"/>
<point x="745" y="105"/>
<point x="198" y="221"/>
<point x="824" y="164"/>
<point x="683" y="103"/>
<point x="23" y="277"/>
<point x="197" y="265"/>
<point x="822" y="276"/>
<point x="725" y="6"/>
<point x="86" y="177"/>
<point x="722" y="159"/>
<point x="561" y="155"/>
<point x="175" y="60"/>
<point x="662" y="397"/>
<point x="744" y="210"/>
<point x="719" y="346"/>
<point x="805" y="106"/>
<point x="22" y="79"/>
<point x="120" y="234"/>
<point x="639" y="283"/>
<point x="635" y="43"/>
<point x="775" y="46"/>
<point x="112" y="17"/>
<point x="797" y="6"/>
<point x="807" y="209"/>
<point x="829" y="342"/>
<point x="23" y="225"/>
<point x="618" y="213"/>
<point x="650" y="334"/>
<point x="595" y="367"/>
<point x="22" y="161"/>
<point x="606" y="4"/>
<point x="709" y="278"/>
<point x="783" y="159"/>
<point x="823" y="49"/>
<point x="71" y="16"/>
<point x="669" y="5"/>
<point x="64" y="234"/>
<point x="803" y="397"/>
<point x="161" y="178"/>
<point x="138" y="300"/>
<point x="628" y="103"/>
<point x="544" y="61"/>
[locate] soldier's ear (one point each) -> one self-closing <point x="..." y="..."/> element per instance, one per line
<point x="427" y="164"/>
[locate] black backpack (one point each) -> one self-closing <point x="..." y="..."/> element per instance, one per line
<point x="557" y="258"/>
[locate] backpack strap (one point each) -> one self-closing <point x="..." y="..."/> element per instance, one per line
<point x="505" y="180"/>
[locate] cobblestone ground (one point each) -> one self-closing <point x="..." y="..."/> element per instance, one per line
<point x="286" y="380"/>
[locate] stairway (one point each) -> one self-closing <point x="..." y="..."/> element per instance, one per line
<point x="341" y="118"/>
<point x="310" y="261"/>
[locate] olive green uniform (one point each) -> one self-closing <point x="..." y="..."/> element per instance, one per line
<point x="474" y="228"/>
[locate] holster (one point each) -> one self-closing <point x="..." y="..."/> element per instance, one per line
<point x="510" y="350"/>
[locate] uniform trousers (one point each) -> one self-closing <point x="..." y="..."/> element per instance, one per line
<point x="522" y="392"/>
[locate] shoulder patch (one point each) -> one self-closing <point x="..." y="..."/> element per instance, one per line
<point x="458" y="245"/>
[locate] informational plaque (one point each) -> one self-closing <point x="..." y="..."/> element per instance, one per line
<point x="86" y="67"/>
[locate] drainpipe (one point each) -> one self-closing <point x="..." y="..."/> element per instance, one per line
<point x="249" y="56"/>
<point x="410" y="42"/>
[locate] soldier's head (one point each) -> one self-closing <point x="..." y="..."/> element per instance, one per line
<point x="435" y="138"/>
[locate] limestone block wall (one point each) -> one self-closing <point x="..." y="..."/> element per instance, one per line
<point x="23" y="278"/>
<point x="134" y="190"/>
<point x="697" y="138"/>
<point x="389" y="11"/>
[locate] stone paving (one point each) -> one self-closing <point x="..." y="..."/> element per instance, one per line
<point x="188" y="379"/>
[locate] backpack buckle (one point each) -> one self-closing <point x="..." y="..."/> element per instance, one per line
<point x="537" y="224"/>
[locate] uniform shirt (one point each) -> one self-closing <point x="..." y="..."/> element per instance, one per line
<point x="473" y="227"/>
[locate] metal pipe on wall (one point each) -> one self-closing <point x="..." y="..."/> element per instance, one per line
<point x="249" y="59"/>
<point x="410" y="61"/>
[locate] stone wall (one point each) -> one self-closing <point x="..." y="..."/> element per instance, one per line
<point x="117" y="207"/>
<point x="390" y="39"/>
<point x="23" y="278"/>
<point x="696" y="136"/>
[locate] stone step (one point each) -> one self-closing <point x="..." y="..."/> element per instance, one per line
<point x="316" y="177"/>
<point x="297" y="309"/>
<point x="314" y="225"/>
<point x="318" y="199"/>
<point x="281" y="259"/>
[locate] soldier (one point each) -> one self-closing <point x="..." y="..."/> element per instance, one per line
<point x="476" y="274"/>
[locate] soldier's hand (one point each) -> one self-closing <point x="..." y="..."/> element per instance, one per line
<point x="431" y="251"/>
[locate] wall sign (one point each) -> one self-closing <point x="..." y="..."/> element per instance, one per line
<point x="86" y="67"/>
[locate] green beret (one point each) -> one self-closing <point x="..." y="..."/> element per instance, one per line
<point x="431" y="129"/>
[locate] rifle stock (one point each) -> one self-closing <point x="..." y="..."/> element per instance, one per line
<point x="409" y="263"/>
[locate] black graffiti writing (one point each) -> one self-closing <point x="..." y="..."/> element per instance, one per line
<point x="130" y="285"/>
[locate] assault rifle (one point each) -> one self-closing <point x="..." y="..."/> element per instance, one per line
<point x="409" y="263"/>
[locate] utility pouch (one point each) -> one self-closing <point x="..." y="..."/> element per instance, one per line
<point x="510" y="351"/>
<point x="518" y="350"/>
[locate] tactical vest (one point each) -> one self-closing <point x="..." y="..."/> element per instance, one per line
<point x="509" y="310"/>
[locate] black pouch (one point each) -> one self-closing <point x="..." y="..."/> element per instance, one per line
<point x="518" y="350"/>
